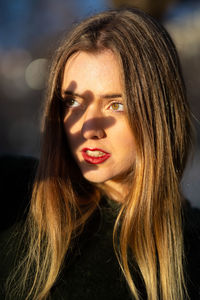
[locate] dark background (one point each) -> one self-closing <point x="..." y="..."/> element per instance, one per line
<point x="29" y="33"/>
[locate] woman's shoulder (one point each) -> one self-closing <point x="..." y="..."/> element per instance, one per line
<point x="16" y="179"/>
<point x="192" y="249"/>
<point x="191" y="221"/>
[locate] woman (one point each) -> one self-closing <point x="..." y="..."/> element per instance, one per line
<point x="116" y="137"/>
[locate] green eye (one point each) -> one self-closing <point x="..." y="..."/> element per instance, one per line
<point x="116" y="106"/>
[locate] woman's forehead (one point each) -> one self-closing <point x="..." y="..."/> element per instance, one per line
<point x="93" y="71"/>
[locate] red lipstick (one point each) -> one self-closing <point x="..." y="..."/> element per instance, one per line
<point x="94" y="155"/>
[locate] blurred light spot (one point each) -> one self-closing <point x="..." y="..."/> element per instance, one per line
<point x="13" y="63"/>
<point x="35" y="74"/>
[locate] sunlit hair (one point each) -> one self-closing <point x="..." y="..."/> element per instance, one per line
<point x="149" y="236"/>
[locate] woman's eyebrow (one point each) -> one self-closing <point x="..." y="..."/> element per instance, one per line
<point x="111" y="96"/>
<point x="70" y="93"/>
<point x="104" y="96"/>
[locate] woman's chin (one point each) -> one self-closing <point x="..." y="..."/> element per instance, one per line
<point x="96" y="177"/>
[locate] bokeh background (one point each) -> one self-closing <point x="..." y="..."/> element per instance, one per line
<point x="30" y="30"/>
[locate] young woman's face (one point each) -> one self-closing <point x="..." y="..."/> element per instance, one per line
<point x="95" y="122"/>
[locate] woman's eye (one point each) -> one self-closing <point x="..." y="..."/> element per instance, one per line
<point x="71" y="103"/>
<point x="116" y="106"/>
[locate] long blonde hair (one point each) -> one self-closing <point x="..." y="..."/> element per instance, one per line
<point x="150" y="234"/>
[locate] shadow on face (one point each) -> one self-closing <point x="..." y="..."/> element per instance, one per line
<point x="86" y="127"/>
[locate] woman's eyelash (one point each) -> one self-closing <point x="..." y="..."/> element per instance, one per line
<point x="70" y="102"/>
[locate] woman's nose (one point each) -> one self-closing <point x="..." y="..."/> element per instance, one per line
<point x="93" y="125"/>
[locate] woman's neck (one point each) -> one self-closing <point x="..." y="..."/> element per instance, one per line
<point x="116" y="190"/>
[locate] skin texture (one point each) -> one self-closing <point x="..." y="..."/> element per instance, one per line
<point x="95" y="116"/>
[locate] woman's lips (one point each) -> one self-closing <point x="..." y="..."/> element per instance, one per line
<point x="94" y="155"/>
